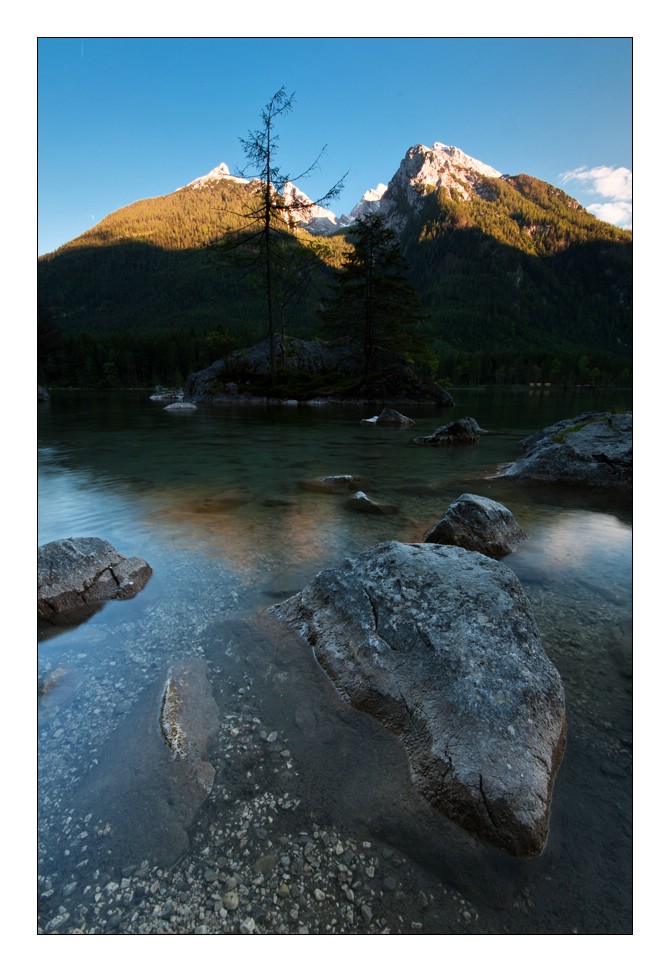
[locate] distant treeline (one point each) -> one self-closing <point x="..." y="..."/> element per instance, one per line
<point x="128" y="359"/>
<point x="143" y="360"/>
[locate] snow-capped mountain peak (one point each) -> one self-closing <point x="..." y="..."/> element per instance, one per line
<point x="305" y="211"/>
<point x="442" y="166"/>
<point x="462" y="161"/>
<point x="220" y="172"/>
<point x="374" y="195"/>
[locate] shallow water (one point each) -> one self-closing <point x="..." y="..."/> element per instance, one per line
<point x="221" y="503"/>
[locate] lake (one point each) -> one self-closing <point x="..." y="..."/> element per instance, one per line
<point x="312" y="825"/>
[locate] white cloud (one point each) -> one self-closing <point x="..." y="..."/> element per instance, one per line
<point x="618" y="213"/>
<point x="614" y="186"/>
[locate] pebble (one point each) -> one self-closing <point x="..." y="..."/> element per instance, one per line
<point x="230" y="900"/>
<point x="257" y="865"/>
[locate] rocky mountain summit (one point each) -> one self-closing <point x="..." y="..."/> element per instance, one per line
<point x="442" y="167"/>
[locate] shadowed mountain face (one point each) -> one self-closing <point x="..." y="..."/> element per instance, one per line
<point x="507" y="263"/>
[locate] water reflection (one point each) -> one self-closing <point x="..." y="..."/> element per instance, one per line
<point x="215" y="505"/>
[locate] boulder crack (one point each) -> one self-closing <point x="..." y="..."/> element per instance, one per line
<point x="485" y="802"/>
<point x="373" y="608"/>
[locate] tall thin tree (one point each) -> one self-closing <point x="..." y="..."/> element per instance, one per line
<point x="272" y="213"/>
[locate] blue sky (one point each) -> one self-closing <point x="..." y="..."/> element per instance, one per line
<point x="120" y="119"/>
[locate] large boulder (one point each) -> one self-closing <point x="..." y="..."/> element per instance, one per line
<point x="478" y="523"/>
<point x="592" y="449"/>
<point x="463" y="431"/>
<point x="154" y="772"/>
<point x="82" y="571"/>
<point x="440" y="644"/>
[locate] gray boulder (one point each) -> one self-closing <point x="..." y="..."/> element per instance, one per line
<point x="82" y="571"/>
<point x="462" y="431"/>
<point x="388" y="416"/>
<point x="478" y="523"/>
<point x="592" y="449"/>
<point x="180" y="407"/>
<point x="440" y="644"/>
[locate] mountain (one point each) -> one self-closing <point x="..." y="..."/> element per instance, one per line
<point x="219" y="173"/>
<point x="504" y="264"/>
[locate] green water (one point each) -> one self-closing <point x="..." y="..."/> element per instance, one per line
<point x="218" y="501"/>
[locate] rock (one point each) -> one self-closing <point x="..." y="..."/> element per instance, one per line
<point x="388" y="416"/>
<point x="331" y="484"/>
<point x="180" y="407"/>
<point x="440" y="644"/>
<point x="189" y="717"/>
<point x="42" y="394"/>
<point x="360" y="501"/>
<point x="393" y="381"/>
<point x="154" y="767"/>
<point x="230" y="900"/>
<point x="478" y="523"/>
<point x="82" y="571"/>
<point x="464" y="430"/>
<point x="265" y="865"/>
<point x="593" y="449"/>
<point x="397" y="382"/>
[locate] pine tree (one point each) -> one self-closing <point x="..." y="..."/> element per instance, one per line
<point x="374" y="304"/>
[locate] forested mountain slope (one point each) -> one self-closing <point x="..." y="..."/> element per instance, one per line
<point x="503" y="265"/>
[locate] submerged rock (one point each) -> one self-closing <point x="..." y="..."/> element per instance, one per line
<point x="362" y="502"/>
<point x="331" y="484"/>
<point x="464" y="430"/>
<point x="478" y="523"/>
<point x="592" y="449"/>
<point x="228" y="499"/>
<point x="440" y="644"/>
<point x="189" y="717"/>
<point x="154" y="773"/>
<point x="82" y="571"/>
